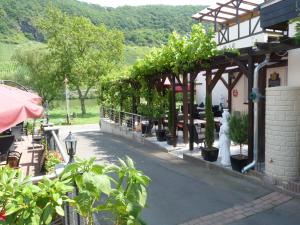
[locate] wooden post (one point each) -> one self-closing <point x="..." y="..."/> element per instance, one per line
<point x="250" y="109"/>
<point x="185" y="108"/>
<point x="229" y="92"/>
<point x="192" y="89"/>
<point x="173" y="83"/>
<point x="262" y="81"/>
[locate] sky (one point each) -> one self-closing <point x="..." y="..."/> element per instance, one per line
<point x="116" y="3"/>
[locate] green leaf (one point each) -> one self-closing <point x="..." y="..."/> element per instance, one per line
<point x="59" y="210"/>
<point x="47" y="214"/>
<point x="130" y="162"/>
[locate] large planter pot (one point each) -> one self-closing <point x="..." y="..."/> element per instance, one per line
<point x="238" y="162"/>
<point x="210" y="154"/>
<point x="171" y="139"/>
<point x="146" y="128"/>
<point x="161" y="135"/>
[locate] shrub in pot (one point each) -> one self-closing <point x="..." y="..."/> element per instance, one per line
<point x="171" y="139"/>
<point x="209" y="153"/>
<point x="158" y="111"/>
<point x="238" y="127"/>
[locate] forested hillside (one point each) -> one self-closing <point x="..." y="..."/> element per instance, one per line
<point x="143" y="25"/>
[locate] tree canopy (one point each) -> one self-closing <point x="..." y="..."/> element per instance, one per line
<point x="141" y="25"/>
<point x="80" y="50"/>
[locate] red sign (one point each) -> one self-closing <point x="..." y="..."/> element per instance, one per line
<point x="235" y="92"/>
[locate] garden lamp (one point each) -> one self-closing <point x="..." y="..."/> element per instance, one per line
<point x="71" y="143"/>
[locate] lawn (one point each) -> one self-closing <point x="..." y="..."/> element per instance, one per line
<point x="57" y="113"/>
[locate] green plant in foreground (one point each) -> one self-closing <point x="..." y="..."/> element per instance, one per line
<point x="125" y="199"/>
<point x="51" y="160"/>
<point x="22" y="202"/>
<point x="238" y="129"/>
<point x="118" y="190"/>
<point x="209" y="126"/>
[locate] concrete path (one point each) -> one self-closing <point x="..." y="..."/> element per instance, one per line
<point x="182" y="193"/>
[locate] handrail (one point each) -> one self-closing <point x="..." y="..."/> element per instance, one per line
<point x="60" y="148"/>
<point x="59" y="168"/>
<point x="122" y="111"/>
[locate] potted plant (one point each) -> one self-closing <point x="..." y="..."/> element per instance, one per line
<point x="146" y="125"/>
<point x="170" y="136"/>
<point x="158" y="111"/>
<point x="238" y="127"/>
<point x="209" y="153"/>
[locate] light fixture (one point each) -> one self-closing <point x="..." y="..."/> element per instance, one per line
<point x="71" y="143"/>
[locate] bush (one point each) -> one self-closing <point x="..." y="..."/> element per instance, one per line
<point x="51" y="160"/>
<point x="210" y="124"/>
<point x="238" y="129"/>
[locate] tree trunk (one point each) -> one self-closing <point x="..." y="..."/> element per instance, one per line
<point x="82" y="103"/>
<point x="82" y="106"/>
<point x="82" y="99"/>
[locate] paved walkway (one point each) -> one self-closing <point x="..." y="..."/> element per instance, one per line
<point x="182" y="193"/>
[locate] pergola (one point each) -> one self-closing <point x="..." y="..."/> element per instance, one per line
<point x="225" y="14"/>
<point x="242" y="64"/>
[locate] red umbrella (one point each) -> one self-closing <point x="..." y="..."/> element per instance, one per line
<point x="16" y="106"/>
<point x="20" y="94"/>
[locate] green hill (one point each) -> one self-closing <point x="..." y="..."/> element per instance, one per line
<point x="142" y="25"/>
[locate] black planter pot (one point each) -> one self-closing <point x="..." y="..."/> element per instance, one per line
<point x="161" y="135"/>
<point x="170" y="139"/>
<point x="238" y="162"/>
<point x="210" y="155"/>
<point x="146" y="128"/>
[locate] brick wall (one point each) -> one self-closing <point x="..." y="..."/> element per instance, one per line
<point x="283" y="133"/>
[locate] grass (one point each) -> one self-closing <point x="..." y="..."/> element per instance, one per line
<point x="57" y="112"/>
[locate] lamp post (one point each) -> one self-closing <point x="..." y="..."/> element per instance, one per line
<point x="66" y="81"/>
<point x="71" y="144"/>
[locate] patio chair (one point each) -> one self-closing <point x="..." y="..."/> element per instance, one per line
<point x="13" y="159"/>
<point x="199" y="138"/>
<point x="6" y="142"/>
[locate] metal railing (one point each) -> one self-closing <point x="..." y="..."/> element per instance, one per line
<point x="126" y="121"/>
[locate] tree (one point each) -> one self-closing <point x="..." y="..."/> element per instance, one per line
<point x="38" y="74"/>
<point x="238" y="129"/>
<point x="82" y="51"/>
<point x="209" y="126"/>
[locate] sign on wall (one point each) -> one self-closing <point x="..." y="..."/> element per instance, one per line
<point x="274" y="80"/>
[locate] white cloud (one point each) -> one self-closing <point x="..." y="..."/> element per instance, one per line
<point x="116" y="3"/>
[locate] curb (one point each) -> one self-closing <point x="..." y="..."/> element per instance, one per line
<point x="251" y="176"/>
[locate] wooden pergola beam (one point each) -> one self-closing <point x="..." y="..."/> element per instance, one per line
<point x="224" y="82"/>
<point x="236" y="80"/>
<point x="249" y="3"/>
<point x="232" y="7"/>
<point x="241" y="65"/>
<point x="210" y="15"/>
<point x="216" y="78"/>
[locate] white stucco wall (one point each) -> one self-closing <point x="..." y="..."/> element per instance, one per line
<point x="294" y="68"/>
<point x="238" y="102"/>
<point x="293" y="62"/>
<point x="219" y="91"/>
<point x="244" y="31"/>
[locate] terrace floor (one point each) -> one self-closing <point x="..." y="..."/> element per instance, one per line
<point x="31" y="158"/>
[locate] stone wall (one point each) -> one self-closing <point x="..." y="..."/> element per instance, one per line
<point x="283" y="133"/>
